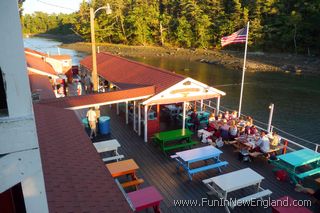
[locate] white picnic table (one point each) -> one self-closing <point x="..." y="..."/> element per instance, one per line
<point x="223" y="184"/>
<point x="109" y="146"/>
<point x="185" y="158"/>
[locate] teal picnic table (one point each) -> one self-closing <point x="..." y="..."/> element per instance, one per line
<point x="174" y="139"/>
<point x="293" y="160"/>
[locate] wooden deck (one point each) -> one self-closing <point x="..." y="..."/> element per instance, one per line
<point x="160" y="171"/>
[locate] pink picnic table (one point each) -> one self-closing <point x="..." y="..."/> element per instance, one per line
<point x="145" y="198"/>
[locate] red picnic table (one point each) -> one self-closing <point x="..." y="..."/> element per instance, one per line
<point x="145" y="198"/>
<point x="287" y="204"/>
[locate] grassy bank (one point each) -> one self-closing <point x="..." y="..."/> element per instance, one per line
<point x="233" y="60"/>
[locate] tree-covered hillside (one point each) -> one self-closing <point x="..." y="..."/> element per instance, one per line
<point x="275" y="25"/>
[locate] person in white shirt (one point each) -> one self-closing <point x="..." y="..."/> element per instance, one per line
<point x="92" y="118"/>
<point x="263" y="144"/>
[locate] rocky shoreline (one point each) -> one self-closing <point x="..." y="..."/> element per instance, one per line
<point x="256" y="61"/>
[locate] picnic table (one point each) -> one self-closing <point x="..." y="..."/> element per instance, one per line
<point x="223" y="184"/>
<point x="172" y="110"/>
<point x="249" y="142"/>
<point x="145" y="198"/>
<point x="109" y="146"/>
<point x="292" y="161"/>
<point x="174" y="137"/>
<point x="206" y="153"/>
<point x="125" y="167"/>
<point x="202" y="116"/>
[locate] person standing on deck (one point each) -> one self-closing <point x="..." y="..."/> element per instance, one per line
<point x="92" y="118"/>
<point x="87" y="84"/>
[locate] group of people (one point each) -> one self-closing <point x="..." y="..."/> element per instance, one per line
<point x="228" y="126"/>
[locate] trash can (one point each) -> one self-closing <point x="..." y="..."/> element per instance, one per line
<point x="85" y="122"/>
<point x="104" y="125"/>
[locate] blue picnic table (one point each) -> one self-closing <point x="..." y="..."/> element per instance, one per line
<point x="206" y="153"/>
<point x="293" y="160"/>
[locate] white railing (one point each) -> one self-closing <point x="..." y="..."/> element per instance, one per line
<point x="211" y="105"/>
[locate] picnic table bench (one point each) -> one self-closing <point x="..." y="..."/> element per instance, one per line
<point x="185" y="158"/>
<point x="174" y="139"/>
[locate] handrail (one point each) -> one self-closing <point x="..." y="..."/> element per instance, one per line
<point x="207" y="103"/>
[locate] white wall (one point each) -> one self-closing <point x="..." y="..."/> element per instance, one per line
<point x="18" y="136"/>
<point x="12" y="60"/>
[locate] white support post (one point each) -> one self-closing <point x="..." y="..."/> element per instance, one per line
<point x="218" y="105"/>
<point x="145" y="123"/>
<point x="139" y="119"/>
<point x="184" y="116"/>
<point x="127" y="114"/>
<point x="118" y="109"/>
<point x="134" y="116"/>
<point x="201" y="104"/>
<point x="271" y="107"/>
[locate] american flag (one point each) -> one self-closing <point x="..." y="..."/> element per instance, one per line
<point x="238" y="37"/>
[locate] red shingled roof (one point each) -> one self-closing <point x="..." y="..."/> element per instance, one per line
<point x="76" y="179"/>
<point x="126" y="73"/>
<point x="39" y="64"/>
<point x="34" y="52"/>
<point x="94" y="99"/>
<point x="40" y="84"/>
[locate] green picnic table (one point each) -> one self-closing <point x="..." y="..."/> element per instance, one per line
<point x="172" y="139"/>
<point x="293" y="160"/>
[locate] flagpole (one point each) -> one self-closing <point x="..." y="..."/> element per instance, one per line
<point x="243" y="70"/>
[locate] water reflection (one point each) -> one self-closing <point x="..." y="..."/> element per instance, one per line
<point x="296" y="97"/>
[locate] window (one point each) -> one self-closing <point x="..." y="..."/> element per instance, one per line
<point x="3" y="96"/>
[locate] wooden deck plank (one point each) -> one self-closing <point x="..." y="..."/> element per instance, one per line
<point x="159" y="170"/>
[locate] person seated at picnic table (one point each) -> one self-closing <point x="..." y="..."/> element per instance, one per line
<point x="224" y="129"/>
<point x="234" y="115"/>
<point x="247" y="128"/>
<point x="226" y="115"/>
<point x="195" y="120"/>
<point x="250" y="120"/>
<point x="262" y="144"/>
<point x="233" y="130"/>
<point x="241" y="131"/>
<point x="274" y="140"/>
<point x="253" y="130"/>
<point x="211" y="127"/>
<point x="212" y="117"/>
<point x="219" y="117"/>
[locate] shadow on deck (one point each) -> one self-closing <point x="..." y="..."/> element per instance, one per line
<point x="160" y="171"/>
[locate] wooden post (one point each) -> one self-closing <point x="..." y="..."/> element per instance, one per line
<point x="218" y="105"/>
<point x="145" y="123"/>
<point x="158" y="112"/>
<point x="127" y="114"/>
<point x="139" y="119"/>
<point x="184" y="116"/>
<point x="134" y="116"/>
<point x="195" y="105"/>
<point x="94" y="74"/>
<point x="284" y="150"/>
<point x="118" y="109"/>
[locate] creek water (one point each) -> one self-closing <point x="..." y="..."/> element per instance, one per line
<point x="296" y="97"/>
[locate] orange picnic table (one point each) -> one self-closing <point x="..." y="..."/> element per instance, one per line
<point x="125" y="167"/>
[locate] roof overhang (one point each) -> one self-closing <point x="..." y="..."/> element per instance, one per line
<point x="40" y="72"/>
<point x="186" y="90"/>
<point x="100" y="99"/>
